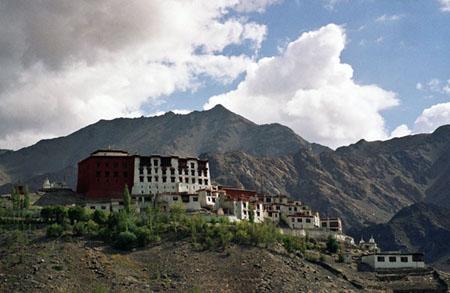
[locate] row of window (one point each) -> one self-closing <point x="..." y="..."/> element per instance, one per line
<point x="300" y="220"/>
<point x="172" y="180"/>
<point x="172" y="172"/>
<point x="114" y="165"/>
<point x="392" y="259"/>
<point x="185" y="199"/>
<point x="114" y="174"/>
<point x="244" y="212"/>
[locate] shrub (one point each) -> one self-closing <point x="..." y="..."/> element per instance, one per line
<point x="77" y="214"/>
<point x="144" y="236"/>
<point x="293" y="243"/>
<point x="125" y="240"/>
<point x="332" y="244"/>
<point x="55" y="230"/>
<point x="100" y="217"/>
<point x="79" y="229"/>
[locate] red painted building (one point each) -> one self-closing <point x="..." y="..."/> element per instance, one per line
<point x="105" y="173"/>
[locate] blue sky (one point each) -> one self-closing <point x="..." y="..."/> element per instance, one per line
<point x="335" y="71"/>
<point x="395" y="54"/>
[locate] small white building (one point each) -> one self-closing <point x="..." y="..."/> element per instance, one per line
<point x="209" y="197"/>
<point x="394" y="260"/>
<point x="190" y="202"/>
<point x="303" y="221"/>
<point x="240" y="203"/>
<point x="331" y="224"/>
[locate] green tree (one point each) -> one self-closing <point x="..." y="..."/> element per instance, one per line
<point x="100" y="217"/>
<point x="126" y="199"/>
<point x="332" y="244"/>
<point x="251" y="214"/>
<point x="15" y="198"/>
<point x="77" y="214"/>
<point x="55" y="230"/>
<point x="26" y="199"/>
<point x="125" y="240"/>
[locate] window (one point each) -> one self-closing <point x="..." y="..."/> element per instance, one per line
<point x="125" y="174"/>
<point x="213" y="199"/>
<point x="404" y="259"/>
<point x="103" y="208"/>
<point x="392" y="259"/>
<point x="192" y="165"/>
<point x="116" y="165"/>
<point x="175" y="198"/>
<point x="98" y="165"/>
<point x="106" y="165"/>
<point x="195" y="198"/>
<point x="141" y="179"/>
<point x="193" y="180"/>
<point x="164" y="171"/>
<point x="268" y="199"/>
<point x="156" y="178"/>
<point x="124" y="165"/>
<point x="245" y="212"/>
<point x="206" y="181"/>
<point x="180" y="179"/>
<point x="324" y="224"/>
<point x="98" y="174"/>
<point x="290" y="209"/>
<point x="200" y="181"/>
<point x="116" y="174"/>
<point x="308" y="220"/>
<point x="164" y="179"/>
<point x="155" y="162"/>
<point x="380" y="258"/>
<point x="92" y="207"/>
<point x="172" y="179"/>
<point x="299" y="220"/>
<point x="258" y="214"/>
<point x="192" y="173"/>
<point x="172" y="171"/>
<point x="107" y="174"/>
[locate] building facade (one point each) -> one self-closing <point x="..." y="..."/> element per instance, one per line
<point x="159" y="174"/>
<point x="105" y="173"/>
<point x="394" y="260"/>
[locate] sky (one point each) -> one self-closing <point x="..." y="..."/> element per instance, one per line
<point x="335" y="71"/>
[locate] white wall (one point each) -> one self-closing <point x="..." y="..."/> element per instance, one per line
<point x="150" y="179"/>
<point x="373" y="261"/>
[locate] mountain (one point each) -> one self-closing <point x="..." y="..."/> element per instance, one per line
<point x="421" y="227"/>
<point x="216" y="130"/>
<point x="364" y="183"/>
<point x="3" y="151"/>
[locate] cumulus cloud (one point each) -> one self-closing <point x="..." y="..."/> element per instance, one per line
<point x="433" y="117"/>
<point x="69" y="63"/>
<point x="435" y="85"/>
<point x="400" y="131"/>
<point x="444" y="5"/>
<point x="310" y="89"/>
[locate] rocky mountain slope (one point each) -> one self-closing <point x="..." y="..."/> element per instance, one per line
<point x="216" y="130"/>
<point x="421" y="227"/>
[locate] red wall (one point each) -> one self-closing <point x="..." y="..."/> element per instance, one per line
<point x="104" y="176"/>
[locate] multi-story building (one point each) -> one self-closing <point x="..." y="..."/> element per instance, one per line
<point x="158" y="174"/>
<point x="105" y="173"/>
<point x="241" y="203"/>
<point x="331" y="224"/>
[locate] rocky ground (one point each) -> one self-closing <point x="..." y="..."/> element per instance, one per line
<point x="34" y="264"/>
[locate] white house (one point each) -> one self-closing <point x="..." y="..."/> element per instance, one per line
<point x="158" y="174"/>
<point x="303" y="221"/>
<point x="394" y="260"/>
<point x="190" y="202"/>
<point x="209" y="197"/>
<point x="240" y="203"/>
<point x="331" y="224"/>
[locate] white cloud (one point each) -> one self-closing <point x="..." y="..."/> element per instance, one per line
<point x="433" y="117"/>
<point x="309" y="89"/>
<point x="400" y="131"/>
<point x="435" y="85"/>
<point x="444" y="5"/>
<point x="67" y="63"/>
<point x="389" y="18"/>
